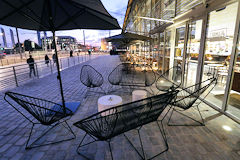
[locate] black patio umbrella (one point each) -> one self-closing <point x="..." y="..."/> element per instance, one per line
<point x="126" y="38"/>
<point x="55" y="15"/>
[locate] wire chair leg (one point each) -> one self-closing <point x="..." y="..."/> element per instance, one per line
<point x="162" y="131"/>
<point x="141" y="144"/>
<point x="166" y="113"/>
<point x="110" y="149"/>
<point x="46" y="131"/>
<point x="30" y="146"/>
<point x="29" y="137"/>
<point x="199" y="123"/>
<point x="203" y="123"/>
<point x="80" y="145"/>
<point x="133" y="146"/>
<point x="169" y="119"/>
<point x="70" y="129"/>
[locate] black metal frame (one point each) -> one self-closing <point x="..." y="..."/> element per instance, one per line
<point x="91" y="78"/>
<point x="45" y="116"/>
<point x="188" y="97"/>
<point x="165" y="77"/>
<point x="128" y="70"/>
<point x="107" y="124"/>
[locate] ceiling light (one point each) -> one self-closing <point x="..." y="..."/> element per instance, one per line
<point x="227" y="128"/>
<point x="155" y="19"/>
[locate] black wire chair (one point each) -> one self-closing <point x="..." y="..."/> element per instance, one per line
<point x="187" y="97"/>
<point x="91" y="78"/>
<point x="133" y="76"/>
<point x="170" y="79"/>
<point x="40" y="111"/>
<point x="105" y="125"/>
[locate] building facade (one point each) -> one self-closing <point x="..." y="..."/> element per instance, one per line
<point x="104" y="45"/>
<point x="199" y="35"/>
<point x="63" y="42"/>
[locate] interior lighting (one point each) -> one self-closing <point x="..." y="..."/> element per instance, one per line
<point x="227" y="128"/>
<point x="155" y="19"/>
<point x="210" y="58"/>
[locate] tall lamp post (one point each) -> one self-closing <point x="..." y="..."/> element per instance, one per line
<point x="19" y="47"/>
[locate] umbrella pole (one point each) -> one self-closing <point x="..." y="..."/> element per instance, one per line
<point x="59" y="73"/>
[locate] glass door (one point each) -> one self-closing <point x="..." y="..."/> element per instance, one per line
<point x="167" y="50"/>
<point x="193" y="46"/>
<point x="218" y="49"/>
<point x="161" y="52"/>
<point x="233" y="106"/>
<point x="179" y="45"/>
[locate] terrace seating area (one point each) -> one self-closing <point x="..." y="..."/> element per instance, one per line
<point x="127" y="127"/>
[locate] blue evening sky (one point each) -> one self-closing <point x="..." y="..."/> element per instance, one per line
<point x="116" y="8"/>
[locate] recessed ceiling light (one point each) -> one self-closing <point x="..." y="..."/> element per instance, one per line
<point x="227" y="128"/>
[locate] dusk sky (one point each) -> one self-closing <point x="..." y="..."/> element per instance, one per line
<point x="116" y="8"/>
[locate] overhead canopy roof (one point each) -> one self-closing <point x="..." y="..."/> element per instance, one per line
<point x="159" y="29"/>
<point x="127" y="38"/>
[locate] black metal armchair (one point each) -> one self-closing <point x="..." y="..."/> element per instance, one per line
<point x="123" y="118"/>
<point x="170" y="79"/>
<point x="187" y="97"/>
<point x="133" y="76"/>
<point x="91" y="78"/>
<point x="40" y="111"/>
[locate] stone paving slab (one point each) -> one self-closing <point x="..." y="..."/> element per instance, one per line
<point x="210" y="142"/>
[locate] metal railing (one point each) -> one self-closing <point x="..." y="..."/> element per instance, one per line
<point x="14" y="76"/>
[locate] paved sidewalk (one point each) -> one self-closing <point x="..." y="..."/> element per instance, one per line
<point x="209" y="142"/>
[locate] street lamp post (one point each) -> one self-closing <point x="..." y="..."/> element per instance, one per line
<point x="19" y="47"/>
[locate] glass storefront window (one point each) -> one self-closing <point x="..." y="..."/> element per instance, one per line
<point x="193" y="46"/>
<point x="155" y="51"/>
<point x="167" y="49"/>
<point x="161" y="46"/>
<point x="179" y="44"/>
<point x="234" y="95"/>
<point x="218" y="48"/>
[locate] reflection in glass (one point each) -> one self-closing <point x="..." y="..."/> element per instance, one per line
<point x="234" y="97"/>
<point x="193" y="46"/>
<point x="167" y="49"/>
<point x="218" y="48"/>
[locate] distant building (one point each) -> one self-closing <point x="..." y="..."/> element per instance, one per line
<point x="12" y="38"/>
<point x="63" y="42"/>
<point x="104" y="45"/>
<point x="4" y="38"/>
<point x="39" y="38"/>
<point x="81" y="47"/>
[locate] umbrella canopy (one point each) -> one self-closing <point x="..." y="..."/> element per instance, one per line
<point x="126" y="38"/>
<point x="54" y="15"/>
<point x="49" y="15"/>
